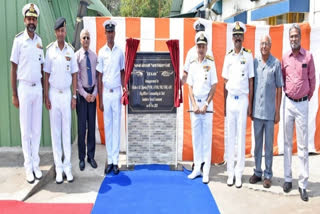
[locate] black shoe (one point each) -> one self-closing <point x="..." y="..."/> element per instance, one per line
<point x="92" y="162"/>
<point x="254" y="179"/>
<point x="108" y="169"/>
<point x="287" y="186"/>
<point x="303" y="194"/>
<point x="82" y="165"/>
<point x="115" y="169"/>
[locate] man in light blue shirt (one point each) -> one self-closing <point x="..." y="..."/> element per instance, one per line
<point x="266" y="108"/>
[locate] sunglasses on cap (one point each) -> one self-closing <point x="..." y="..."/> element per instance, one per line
<point x="86" y="38"/>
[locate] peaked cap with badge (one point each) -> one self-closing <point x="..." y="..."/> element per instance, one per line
<point x="30" y="10"/>
<point x="238" y="28"/>
<point x="60" y="22"/>
<point x="201" y="38"/>
<point x="110" y="25"/>
<point x="199" y="25"/>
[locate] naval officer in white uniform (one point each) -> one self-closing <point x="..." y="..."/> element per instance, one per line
<point x="110" y="69"/>
<point x="61" y="71"/>
<point x="238" y="74"/>
<point x="202" y="80"/>
<point x="26" y="67"/>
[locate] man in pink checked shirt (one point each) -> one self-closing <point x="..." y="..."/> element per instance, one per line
<point x="299" y="82"/>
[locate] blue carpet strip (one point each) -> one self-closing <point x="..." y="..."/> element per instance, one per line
<point x="154" y="189"/>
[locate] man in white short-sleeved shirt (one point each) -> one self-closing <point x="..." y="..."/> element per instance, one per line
<point x="238" y="75"/>
<point x="202" y="80"/>
<point x="61" y="72"/>
<point x="26" y="68"/>
<point x="110" y="69"/>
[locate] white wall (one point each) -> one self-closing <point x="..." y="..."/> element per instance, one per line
<point x="187" y="5"/>
<point x="314" y="15"/>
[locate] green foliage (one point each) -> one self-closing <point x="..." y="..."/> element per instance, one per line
<point x="145" y="8"/>
<point x="113" y="6"/>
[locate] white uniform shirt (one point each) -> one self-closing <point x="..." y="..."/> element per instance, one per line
<point x="27" y="53"/>
<point x="110" y="63"/>
<point x="202" y="76"/>
<point x="60" y="64"/>
<point x="191" y="55"/>
<point x="237" y="69"/>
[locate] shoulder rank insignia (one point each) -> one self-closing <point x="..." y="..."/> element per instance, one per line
<point x="247" y="50"/>
<point x="193" y="60"/>
<point x="210" y="57"/>
<point x="19" y="33"/>
<point x="71" y="46"/>
<point x="230" y="51"/>
<point x="48" y="46"/>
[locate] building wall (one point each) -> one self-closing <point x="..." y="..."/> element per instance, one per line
<point x="233" y="7"/>
<point x="11" y="21"/>
<point x="189" y="4"/>
<point x="314" y="15"/>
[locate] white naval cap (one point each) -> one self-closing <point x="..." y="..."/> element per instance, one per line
<point x="199" y="25"/>
<point x="201" y="38"/>
<point x="110" y="25"/>
<point x="30" y="10"/>
<point x="238" y="28"/>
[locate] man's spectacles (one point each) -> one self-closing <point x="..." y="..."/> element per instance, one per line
<point x="86" y="38"/>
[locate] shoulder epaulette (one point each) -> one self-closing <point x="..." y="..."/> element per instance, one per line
<point x="19" y="33"/>
<point x="210" y="57"/>
<point x="71" y="46"/>
<point x="38" y="35"/>
<point x="193" y="60"/>
<point x="48" y="46"/>
<point x="230" y="51"/>
<point x="247" y="50"/>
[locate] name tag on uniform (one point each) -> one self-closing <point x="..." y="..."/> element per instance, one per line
<point x="304" y="65"/>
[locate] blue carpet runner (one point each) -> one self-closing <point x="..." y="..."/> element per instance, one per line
<point x="153" y="189"/>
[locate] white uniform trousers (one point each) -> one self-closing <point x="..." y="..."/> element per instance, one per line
<point x="111" y="118"/>
<point x="60" y="122"/>
<point x="237" y="108"/>
<point x="296" y="112"/>
<point x="202" y="138"/>
<point x="30" y="110"/>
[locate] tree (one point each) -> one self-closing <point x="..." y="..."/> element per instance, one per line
<point x="113" y="6"/>
<point x="145" y="8"/>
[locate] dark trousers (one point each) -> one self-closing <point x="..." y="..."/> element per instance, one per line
<point x="86" y="119"/>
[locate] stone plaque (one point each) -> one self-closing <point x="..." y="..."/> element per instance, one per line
<point x="151" y="84"/>
<point x="152" y="116"/>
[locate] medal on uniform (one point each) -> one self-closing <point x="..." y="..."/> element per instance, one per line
<point x="206" y="70"/>
<point x="68" y="58"/>
<point x="39" y="46"/>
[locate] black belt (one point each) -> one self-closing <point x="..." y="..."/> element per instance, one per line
<point x="89" y="89"/>
<point x="298" y="100"/>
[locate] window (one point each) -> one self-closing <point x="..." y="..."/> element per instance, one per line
<point x="285" y="18"/>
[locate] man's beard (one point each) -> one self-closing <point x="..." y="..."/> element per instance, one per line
<point x="31" y="28"/>
<point x="295" y="46"/>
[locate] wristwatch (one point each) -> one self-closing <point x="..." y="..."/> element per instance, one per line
<point x="74" y="96"/>
<point x="206" y="103"/>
